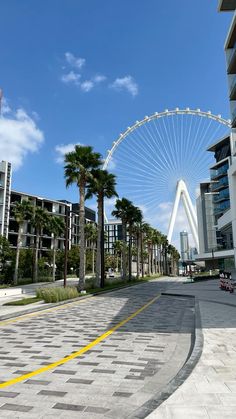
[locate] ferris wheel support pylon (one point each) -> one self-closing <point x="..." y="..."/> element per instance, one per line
<point x="182" y="193"/>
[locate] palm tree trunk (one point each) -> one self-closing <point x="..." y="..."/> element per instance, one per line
<point x="149" y="260"/>
<point x="54" y="260"/>
<point x="82" y="237"/>
<point x="98" y="257"/>
<point x="156" y="259"/>
<point x="124" y="250"/>
<point x="117" y="263"/>
<point x="17" y="255"/>
<point x="141" y="249"/>
<point x="93" y="257"/>
<point x="138" y="258"/>
<point x="152" y="260"/>
<point x="162" y="260"/>
<point x="35" y="273"/>
<point x="130" y="256"/>
<point x="159" y="260"/>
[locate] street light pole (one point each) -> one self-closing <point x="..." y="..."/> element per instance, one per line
<point x="102" y="244"/>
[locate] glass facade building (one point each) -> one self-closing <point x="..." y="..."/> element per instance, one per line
<point x="184" y="246"/>
<point x="113" y="232"/>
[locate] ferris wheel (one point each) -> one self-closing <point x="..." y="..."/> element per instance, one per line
<point x="162" y="158"/>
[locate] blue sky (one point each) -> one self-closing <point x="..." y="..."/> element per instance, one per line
<point x="148" y="55"/>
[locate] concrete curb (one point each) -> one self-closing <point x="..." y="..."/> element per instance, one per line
<point x="194" y="355"/>
<point x="65" y="302"/>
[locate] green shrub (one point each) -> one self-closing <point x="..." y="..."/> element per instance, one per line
<point x="56" y="294"/>
<point x="90" y="283"/>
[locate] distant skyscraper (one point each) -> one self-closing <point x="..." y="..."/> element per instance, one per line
<point x="192" y="253"/>
<point x="184" y="245"/>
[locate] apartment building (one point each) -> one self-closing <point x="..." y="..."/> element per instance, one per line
<point x="113" y="232"/>
<point x="5" y="187"/>
<point x="184" y="246"/>
<point x="230" y="52"/>
<point x="214" y="210"/>
<point x="60" y="208"/>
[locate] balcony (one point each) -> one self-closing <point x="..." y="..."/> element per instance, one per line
<point x="218" y="173"/>
<point x="227" y="5"/>
<point x="220" y="184"/>
<point x="221" y="196"/>
<point x="233" y="114"/>
<point x="232" y="89"/>
<point x="232" y="62"/>
<point x="222" y="207"/>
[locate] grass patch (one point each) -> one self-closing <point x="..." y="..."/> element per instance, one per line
<point x="56" y="294"/>
<point x="23" y="302"/>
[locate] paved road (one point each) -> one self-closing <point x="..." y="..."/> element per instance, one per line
<point x="111" y="378"/>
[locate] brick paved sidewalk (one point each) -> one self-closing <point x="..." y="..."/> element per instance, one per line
<point x="111" y="380"/>
<point x="210" y="390"/>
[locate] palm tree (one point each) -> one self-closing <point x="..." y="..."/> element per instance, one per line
<point x="157" y="243"/>
<point x="164" y="244"/>
<point x="122" y="211"/>
<point x="91" y="235"/>
<point x="174" y="257"/>
<point x="134" y="216"/>
<point x="117" y="246"/>
<point x="142" y="227"/>
<point x="148" y="237"/>
<point x="39" y="221"/>
<point x="78" y="166"/>
<point x="22" y="211"/>
<point x="102" y="184"/>
<point x="56" y="226"/>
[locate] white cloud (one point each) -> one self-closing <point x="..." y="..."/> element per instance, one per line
<point x="74" y="61"/>
<point x="62" y="149"/>
<point x="5" y="108"/>
<point x="99" y="78"/>
<point x="19" y="135"/>
<point x="126" y="83"/>
<point x="71" y="77"/>
<point x="87" y="85"/>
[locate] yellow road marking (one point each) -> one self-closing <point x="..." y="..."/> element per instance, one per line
<point x="41" y="312"/>
<point x="80" y="352"/>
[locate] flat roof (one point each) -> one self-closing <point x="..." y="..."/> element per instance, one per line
<point x="218" y="143"/>
<point x="39" y="197"/>
<point x="226" y="5"/>
<point x="113" y="221"/>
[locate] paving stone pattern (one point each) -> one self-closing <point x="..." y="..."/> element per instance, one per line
<point x="210" y="390"/>
<point x="112" y="379"/>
